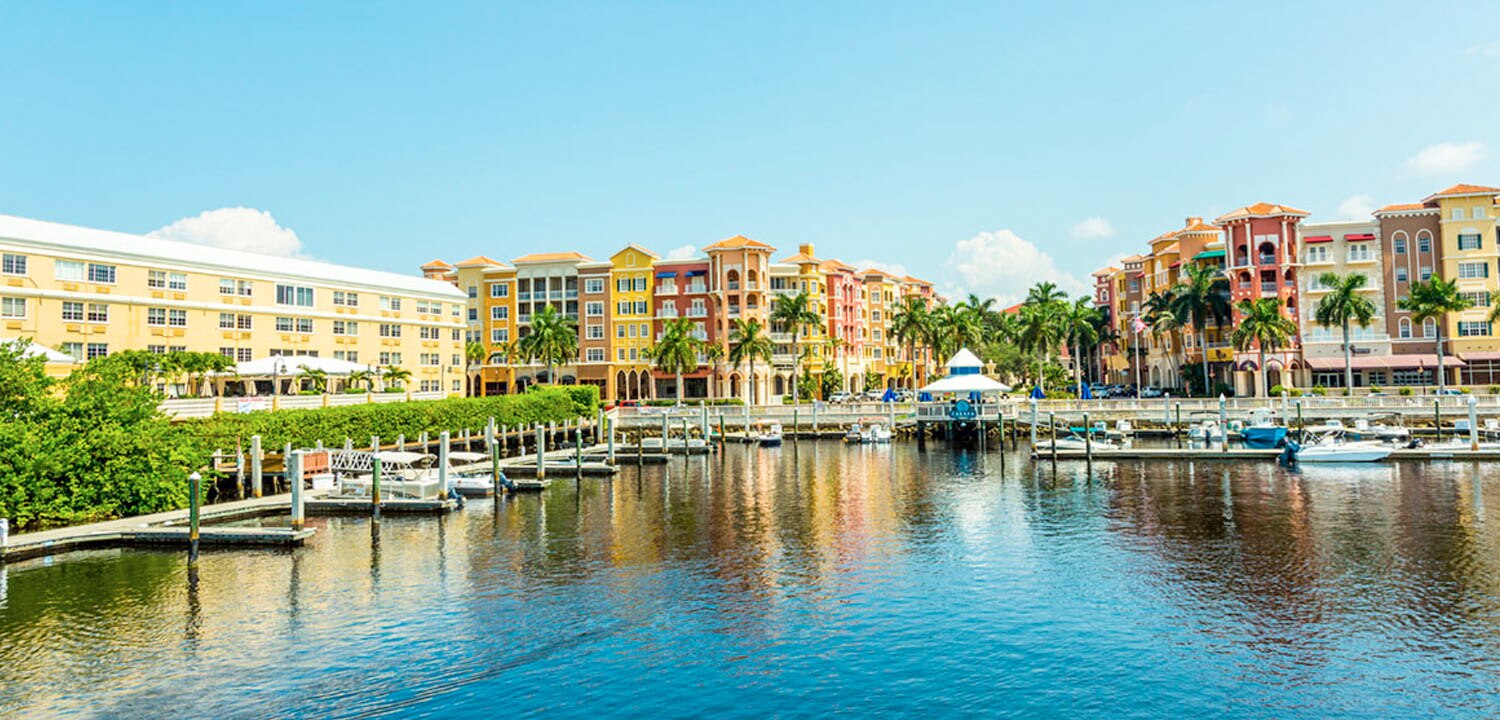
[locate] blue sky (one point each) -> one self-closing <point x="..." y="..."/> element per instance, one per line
<point x="968" y="143"/>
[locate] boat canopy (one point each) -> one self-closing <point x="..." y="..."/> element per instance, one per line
<point x="466" y="456"/>
<point x="398" y="457"/>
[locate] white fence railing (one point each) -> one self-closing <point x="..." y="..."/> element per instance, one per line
<point x="204" y="407"/>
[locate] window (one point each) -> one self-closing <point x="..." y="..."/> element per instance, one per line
<point x="1473" y="328"/>
<point x="593" y="285"/>
<point x="1424" y="244"/>
<point x="1429" y="328"/>
<point x="499" y="312"/>
<point x="70" y="270"/>
<point x="72" y="311"/>
<point x="667" y="286"/>
<point x="72" y="349"/>
<point x="244" y="322"/>
<point x="96" y="350"/>
<point x="473" y="314"/>
<point x="622" y="285"/>
<point x="177" y="318"/>
<point x="430" y="333"/>
<point x="473" y="291"/>
<point x="98" y="313"/>
<point x="632" y="331"/>
<point x="595" y="355"/>
<point x="635" y="354"/>
<point x="163" y="280"/>
<point x="1467" y="241"/>
<point x="1468" y="270"/>
<point x="1424" y="272"/>
<point x="295" y="295"/>
<point x="1359" y="252"/>
<point x="241" y="288"/>
<point x="345" y="327"/>
<point x="12" y="264"/>
<point x="389" y="330"/>
<point x="622" y="308"/>
<point x="620" y="354"/>
<point x="1398" y="246"/>
<point x="499" y="335"/>
<point x="640" y="283"/>
<point x="226" y="321"/>
<point x="13" y="308"/>
<point x="500" y="290"/>
<point x="300" y="325"/>
<point x="156" y="349"/>
<point x="392" y="304"/>
<point x="1457" y="213"/>
<point x="102" y="274"/>
<point x="1478" y="212"/>
<point x="1318" y="254"/>
<point x="1476" y="299"/>
<point x="594" y="309"/>
<point x="345" y="299"/>
<point x="620" y="331"/>
<point x="595" y="332"/>
<point x="1400" y="274"/>
<point x="429" y="359"/>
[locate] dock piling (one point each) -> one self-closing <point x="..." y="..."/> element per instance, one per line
<point x="443" y="450"/>
<point x="375" y="472"/>
<point x="1088" y="441"/>
<point x="1437" y="418"/>
<point x="195" y="494"/>
<point x="1033" y="424"/>
<point x="294" y="477"/>
<point x="256" y="459"/>
<point x="1052" y="434"/>
<point x="1223" y="425"/>
<point x="1474" y="423"/>
<point x="401" y="443"/>
<point x="611" y="451"/>
<point x="541" y="452"/>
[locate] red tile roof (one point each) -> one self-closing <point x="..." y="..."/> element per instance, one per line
<point x="1464" y="189"/>
<point x="737" y="242"/>
<point x="1260" y="209"/>
<point x="554" y="257"/>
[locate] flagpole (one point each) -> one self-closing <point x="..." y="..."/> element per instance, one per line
<point x="1136" y="326"/>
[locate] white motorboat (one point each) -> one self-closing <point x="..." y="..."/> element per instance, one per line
<point x="471" y="482"/>
<point x="1332" y="447"/>
<point x="1073" y="442"/>
<point x="1366" y="430"/>
<point x="770" y="436"/>
<point x="855" y="434"/>
<point x="876" y="433"/>
<point x="402" y="474"/>
<point x="1326" y="427"/>
<point x="1206" y="431"/>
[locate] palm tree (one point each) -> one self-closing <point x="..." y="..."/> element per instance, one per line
<point x="474" y="355"/>
<point x="1078" y="328"/>
<point x="839" y="348"/>
<point x="747" y="342"/>
<point x="795" y="312"/>
<point x="712" y="353"/>
<point x="1164" y="320"/>
<point x="395" y="376"/>
<point x="1430" y="300"/>
<point x="909" y="325"/>
<point x="677" y="350"/>
<point x="1202" y="294"/>
<point x="1342" y="305"/>
<point x="362" y="376"/>
<point x="317" y="377"/>
<point x="1262" y="324"/>
<point x="553" y="340"/>
<point x="1041" y="328"/>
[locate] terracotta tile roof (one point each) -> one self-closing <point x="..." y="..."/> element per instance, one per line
<point x="1464" y="189"/>
<point x="1105" y="272"/>
<point x="873" y="271"/>
<point x="1172" y="249"/>
<point x="1403" y="207"/>
<point x="1168" y="235"/>
<point x="916" y="281"/>
<point x="1132" y="259"/>
<point x="1260" y="209"/>
<point x="737" y="242"/>
<point x="799" y="258"/>
<point x="835" y="266"/>
<point x="1200" y="227"/>
<point x="553" y="257"/>
<point x="436" y="264"/>
<point x="478" y="260"/>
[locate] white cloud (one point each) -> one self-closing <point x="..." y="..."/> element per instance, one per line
<point x="890" y="267"/>
<point x="1094" y="228"/>
<point x="1447" y="158"/>
<point x="236" y="228"/>
<point x="1357" y="207"/>
<point x="1003" y="265"/>
<point x="1490" y="49"/>
<point x="685" y="252"/>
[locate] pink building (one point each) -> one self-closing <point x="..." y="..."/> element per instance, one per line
<point x="845" y="292"/>
<point x="681" y="291"/>
<point x="1261" y="246"/>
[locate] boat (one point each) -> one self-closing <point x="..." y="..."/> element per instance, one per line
<point x="1262" y="431"/>
<point x="877" y="433"/>
<point x="402" y="474"/>
<point x="1326" y="427"/>
<point x="1364" y="429"/>
<point x="1333" y="447"/>
<point x="855" y="434"/>
<point x="770" y="436"/>
<point x="1206" y="431"/>
<point x="1073" y="441"/>
<point x="472" y="483"/>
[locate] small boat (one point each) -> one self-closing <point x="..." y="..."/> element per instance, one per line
<point x="1332" y="447"/>
<point x="770" y="436"/>
<point x="1073" y="441"/>
<point x="1206" y="431"/>
<point x="472" y="483"/>
<point x="1364" y="429"/>
<point x="855" y="434"/>
<point x="1326" y="427"/>
<point x="1262" y="431"/>
<point x="402" y="474"/>
<point x="877" y="433"/>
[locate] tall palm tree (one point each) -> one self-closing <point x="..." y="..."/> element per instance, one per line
<point x="1263" y="326"/>
<point x="474" y="355"/>
<point x="796" y="312"/>
<point x="748" y="342"/>
<point x="395" y="375"/>
<point x="553" y="340"/>
<point x="361" y="376"/>
<point x="1165" y="321"/>
<point x="677" y="350"/>
<point x="1342" y="305"/>
<point x="1202" y="294"/>
<point x="1432" y="300"/>
<point x="317" y="377"/>
<point x="909" y="325"/>
<point x="1078" y="329"/>
<point x="1041" y="329"/>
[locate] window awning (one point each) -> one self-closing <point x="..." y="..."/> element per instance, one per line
<point x="1209" y="255"/>
<point x="696" y="273"/>
<point x="1318" y="239"/>
<point x="1383" y="362"/>
<point x="1359" y="236"/>
<point x="666" y="274"/>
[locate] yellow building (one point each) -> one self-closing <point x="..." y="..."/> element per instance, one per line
<point x="630" y="317"/>
<point x="1468" y="219"/>
<point x="89" y="293"/>
<point x="806" y="276"/>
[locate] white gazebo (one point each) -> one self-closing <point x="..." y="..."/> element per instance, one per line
<point x="58" y="363"/>
<point x="287" y="367"/>
<point x="965" y="376"/>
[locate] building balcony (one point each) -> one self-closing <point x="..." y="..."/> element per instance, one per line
<point x="557" y="295"/>
<point x="697" y="289"/>
<point x="697" y="313"/>
<point x="523" y="296"/>
<point x="781" y="338"/>
<point x="752" y="285"/>
<point x="571" y="294"/>
<point x="1266" y="259"/>
<point x="732" y="285"/>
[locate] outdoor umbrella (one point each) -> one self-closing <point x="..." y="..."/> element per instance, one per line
<point x="1036" y="392"/>
<point x="1084" y="392"/>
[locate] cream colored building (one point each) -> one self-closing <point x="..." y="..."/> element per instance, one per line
<point x="89" y="293"/>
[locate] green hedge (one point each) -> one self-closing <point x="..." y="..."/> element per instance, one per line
<point x="303" y="428"/>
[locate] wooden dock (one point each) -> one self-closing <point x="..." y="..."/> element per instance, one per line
<point x="1403" y="454"/>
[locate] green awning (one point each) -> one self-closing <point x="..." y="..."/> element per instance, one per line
<point x="1209" y="255"/>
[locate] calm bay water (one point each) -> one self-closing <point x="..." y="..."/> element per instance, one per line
<point x="811" y="580"/>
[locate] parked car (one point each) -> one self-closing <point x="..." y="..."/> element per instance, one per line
<point x="904" y="396"/>
<point x="1151" y="392"/>
<point x="840" y="397"/>
<point x="873" y="395"/>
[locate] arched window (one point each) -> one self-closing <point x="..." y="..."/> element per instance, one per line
<point x="1403" y="328"/>
<point x="1424" y="242"/>
<point x="1398" y="242"/>
<point x="1429" y="328"/>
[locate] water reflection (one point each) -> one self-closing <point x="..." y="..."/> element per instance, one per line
<point x="766" y="581"/>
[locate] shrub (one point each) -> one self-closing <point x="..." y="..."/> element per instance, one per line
<point x="1295" y="392"/>
<point x="1464" y="390"/>
<point x="1405" y="392"/>
<point x="1495" y="389"/>
<point x="1319" y="391"/>
<point x="1374" y="389"/>
<point x="1277" y="389"/>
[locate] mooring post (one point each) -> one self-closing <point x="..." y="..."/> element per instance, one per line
<point x="794" y="423"/>
<point x="443" y="450"/>
<point x="1473" y="423"/>
<point x="598" y="425"/>
<point x="747" y="418"/>
<point x="665" y="431"/>
<point x="611" y="452"/>
<point x="294" y="476"/>
<point x="815" y="417"/>
<point x="286" y="454"/>
<point x="256" y="458"/>
<point x="640" y="447"/>
<point x="495" y="470"/>
<point x="1052" y="434"/>
<point x="375" y="444"/>
<point x="375" y="471"/>
<point x="1088" y="440"/>
<point x="1223" y="424"/>
<point x="424" y="442"/>
<point x="703" y="422"/>
<point x="195" y="494"/>
<point x="504" y="439"/>
<point x="1301" y="428"/>
<point x="1177" y="427"/>
<point x="721" y="430"/>
<point x="348" y="444"/>
<point x="239" y="469"/>
<point x="1437" y="418"/>
<point x="401" y="443"/>
<point x="1033" y="424"/>
<point x="489" y="436"/>
<point x="541" y="452"/>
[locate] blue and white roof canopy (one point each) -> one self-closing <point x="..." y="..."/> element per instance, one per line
<point x="965" y="376"/>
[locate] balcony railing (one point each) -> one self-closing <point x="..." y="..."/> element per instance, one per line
<point x="571" y="294"/>
<point x="1267" y="259"/>
<point x="697" y="288"/>
<point x="697" y="312"/>
<point x="555" y="295"/>
<point x="752" y="285"/>
<point x="1268" y="287"/>
<point x="733" y="285"/>
<point x="524" y="296"/>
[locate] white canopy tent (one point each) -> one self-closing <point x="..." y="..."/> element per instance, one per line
<point x="965" y="384"/>
<point x="289" y="365"/>
<point x="31" y="349"/>
<point x="963" y="359"/>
